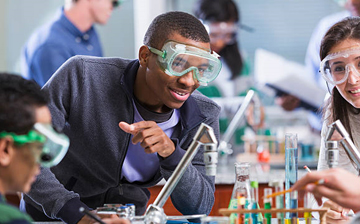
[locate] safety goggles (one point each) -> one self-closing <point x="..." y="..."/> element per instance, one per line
<point x="335" y="67"/>
<point x="226" y="32"/>
<point x="178" y="59"/>
<point x="54" y="144"/>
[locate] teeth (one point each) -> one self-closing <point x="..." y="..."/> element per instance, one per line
<point x="181" y="94"/>
<point x="355" y="91"/>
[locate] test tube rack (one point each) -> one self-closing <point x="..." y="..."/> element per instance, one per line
<point x="322" y="211"/>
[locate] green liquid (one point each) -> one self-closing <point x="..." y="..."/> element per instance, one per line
<point x="267" y="205"/>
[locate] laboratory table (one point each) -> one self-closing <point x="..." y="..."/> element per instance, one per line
<point x="224" y="183"/>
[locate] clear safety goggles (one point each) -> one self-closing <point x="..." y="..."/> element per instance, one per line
<point x="335" y="67"/>
<point x="226" y="32"/>
<point x="54" y="144"/>
<point x="178" y="59"/>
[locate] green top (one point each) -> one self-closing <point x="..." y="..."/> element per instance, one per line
<point x="254" y="184"/>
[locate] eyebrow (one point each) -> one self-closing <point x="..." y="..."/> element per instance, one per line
<point x="339" y="62"/>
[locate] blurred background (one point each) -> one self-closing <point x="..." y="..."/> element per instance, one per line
<point x="280" y="26"/>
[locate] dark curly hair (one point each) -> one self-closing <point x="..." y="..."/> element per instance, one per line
<point x="172" y="22"/>
<point x="18" y="100"/>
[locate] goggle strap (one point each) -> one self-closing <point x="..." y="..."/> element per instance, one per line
<point x="162" y="54"/>
<point x="31" y="136"/>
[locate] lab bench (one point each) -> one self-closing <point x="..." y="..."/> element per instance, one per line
<point x="225" y="179"/>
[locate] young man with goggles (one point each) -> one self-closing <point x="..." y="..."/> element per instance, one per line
<point x="130" y="123"/>
<point x="27" y="141"/>
<point x="178" y="59"/>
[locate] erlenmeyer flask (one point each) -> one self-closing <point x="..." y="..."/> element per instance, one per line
<point x="241" y="191"/>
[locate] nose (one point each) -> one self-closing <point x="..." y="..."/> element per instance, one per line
<point x="188" y="79"/>
<point x="354" y="76"/>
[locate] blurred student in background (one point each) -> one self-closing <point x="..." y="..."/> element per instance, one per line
<point x="70" y="33"/>
<point x="222" y="20"/>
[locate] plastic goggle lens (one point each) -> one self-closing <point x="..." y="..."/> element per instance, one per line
<point x="336" y="70"/>
<point x="178" y="59"/>
<point x="48" y="146"/>
<point x="202" y="68"/>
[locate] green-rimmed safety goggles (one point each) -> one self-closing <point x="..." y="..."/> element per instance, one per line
<point x="178" y="59"/>
<point x="55" y="145"/>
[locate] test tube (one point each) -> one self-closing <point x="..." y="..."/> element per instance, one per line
<point x="294" y="205"/>
<point x="254" y="200"/>
<point x="279" y="200"/>
<point x="291" y="168"/>
<point x="307" y="204"/>
<point x="267" y="204"/>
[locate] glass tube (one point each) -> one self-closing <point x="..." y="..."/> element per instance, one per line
<point x="279" y="200"/>
<point x="307" y="204"/>
<point x="291" y="168"/>
<point x="267" y="204"/>
<point x="254" y="200"/>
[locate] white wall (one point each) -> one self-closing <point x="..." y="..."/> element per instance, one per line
<point x="3" y="59"/>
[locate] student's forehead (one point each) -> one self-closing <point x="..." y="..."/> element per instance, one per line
<point x="178" y="38"/>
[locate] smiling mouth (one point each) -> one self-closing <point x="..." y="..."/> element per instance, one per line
<point x="179" y="93"/>
<point x="355" y="91"/>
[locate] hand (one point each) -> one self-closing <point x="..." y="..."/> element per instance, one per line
<point x="341" y="186"/>
<point x="151" y="137"/>
<point x="288" y="102"/>
<point x="336" y="213"/>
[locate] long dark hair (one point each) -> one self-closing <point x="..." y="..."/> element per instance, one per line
<point x="222" y="11"/>
<point x="348" y="28"/>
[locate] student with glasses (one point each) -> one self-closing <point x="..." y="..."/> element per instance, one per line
<point x="340" y="67"/>
<point x="71" y="32"/>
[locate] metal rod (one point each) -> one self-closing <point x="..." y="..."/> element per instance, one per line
<point x="204" y="135"/>
<point x="346" y="142"/>
<point x="251" y="96"/>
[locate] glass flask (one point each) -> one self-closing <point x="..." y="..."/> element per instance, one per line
<point x="241" y="197"/>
